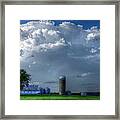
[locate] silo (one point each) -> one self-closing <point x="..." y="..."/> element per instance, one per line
<point x="62" y="85"/>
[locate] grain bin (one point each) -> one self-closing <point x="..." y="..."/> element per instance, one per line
<point x="62" y="85"/>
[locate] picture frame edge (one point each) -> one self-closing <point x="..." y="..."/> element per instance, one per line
<point x="2" y="82"/>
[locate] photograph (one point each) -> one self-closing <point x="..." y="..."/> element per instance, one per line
<point x="59" y="59"/>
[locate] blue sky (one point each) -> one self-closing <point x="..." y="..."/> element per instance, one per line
<point x="86" y="23"/>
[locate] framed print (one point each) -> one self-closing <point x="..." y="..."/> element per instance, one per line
<point x="59" y="59"/>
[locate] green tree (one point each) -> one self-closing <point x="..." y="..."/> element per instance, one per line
<point x="24" y="79"/>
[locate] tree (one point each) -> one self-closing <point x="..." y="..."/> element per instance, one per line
<point x="24" y="79"/>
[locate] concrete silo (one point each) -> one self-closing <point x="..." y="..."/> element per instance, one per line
<point x="62" y="85"/>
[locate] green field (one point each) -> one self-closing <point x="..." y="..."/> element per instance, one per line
<point x="58" y="97"/>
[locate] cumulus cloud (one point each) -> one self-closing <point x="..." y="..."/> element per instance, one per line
<point x="48" y="50"/>
<point x="94" y="34"/>
<point x="68" y="25"/>
<point x="93" y="50"/>
<point x="85" y="74"/>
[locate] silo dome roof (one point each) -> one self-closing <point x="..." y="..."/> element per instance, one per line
<point x="62" y="77"/>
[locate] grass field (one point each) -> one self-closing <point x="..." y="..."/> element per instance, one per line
<point x="58" y="97"/>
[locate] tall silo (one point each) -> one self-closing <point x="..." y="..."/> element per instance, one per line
<point x="62" y="85"/>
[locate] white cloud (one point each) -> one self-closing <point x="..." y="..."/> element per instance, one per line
<point x="53" y="32"/>
<point x="85" y="74"/>
<point x="70" y="26"/>
<point x="93" y="36"/>
<point x="34" y="62"/>
<point x="67" y="24"/>
<point x="93" y="33"/>
<point x="94" y="28"/>
<point x="93" y="50"/>
<point x="40" y="36"/>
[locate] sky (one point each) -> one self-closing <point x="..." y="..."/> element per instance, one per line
<point x="51" y="48"/>
<point x="86" y="23"/>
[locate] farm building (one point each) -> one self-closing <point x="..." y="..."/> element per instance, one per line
<point x="64" y="88"/>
